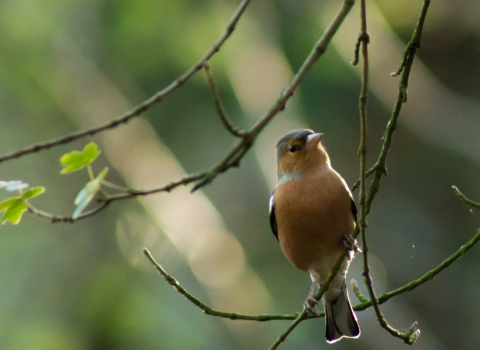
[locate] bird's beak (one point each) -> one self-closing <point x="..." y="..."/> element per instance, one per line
<point x="313" y="140"/>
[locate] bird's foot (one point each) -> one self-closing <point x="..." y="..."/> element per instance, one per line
<point x="351" y="243"/>
<point x="310" y="306"/>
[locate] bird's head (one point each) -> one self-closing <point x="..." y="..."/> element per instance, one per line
<point x="300" y="152"/>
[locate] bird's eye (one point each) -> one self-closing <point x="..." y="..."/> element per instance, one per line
<point x="292" y="148"/>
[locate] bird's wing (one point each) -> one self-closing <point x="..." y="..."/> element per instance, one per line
<point x="354" y="210"/>
<point x="273" y="220"/>
<point x="352" y="205"/>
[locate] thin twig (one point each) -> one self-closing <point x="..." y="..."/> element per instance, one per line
<point x="367" y="174"/>
<point x="281" y="338"/>
<point x="415" y="42"/>
<point x="218" y="104"/>
<point x="362" y="149"/>
<point x="106" y="199"/>
<point x="427" y="277"/>
<point x="407" y="336"/>
<point x="232" y="159"/>
<point x="183" y="181"/>
<point x="324" y="287"/>
<point x="361" y="298"/>
<point x="205" y="308"/>
<point x="380" y="165"/>
<point x="357" y="49"/>
<point x="379" y="170"/>
<point x="236" y="154"/>
<point x="465" y="199"/>
<point x="59" y="218"/>
<point x="142" y="107"/>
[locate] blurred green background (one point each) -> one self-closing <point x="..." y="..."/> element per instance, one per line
<point x="67" y="65"/>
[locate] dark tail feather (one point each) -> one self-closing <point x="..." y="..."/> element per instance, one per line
<point x="340" y="318"/>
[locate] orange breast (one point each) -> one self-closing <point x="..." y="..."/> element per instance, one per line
<point x="313" y="214"/>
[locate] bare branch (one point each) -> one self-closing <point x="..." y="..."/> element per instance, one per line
<point x="413" y="333"/>
<point x="232" y="159"/>
<point x="106" y="199"/>
<point x="365" y="304"/>
<point x="218" y="104"/>
<point x="304" y="315"/>
<point x="142" y="107"/>
<point x="367" y="174"/>
<point x="356" y="50"/>
<point x="465" y="199"/>
<point x="429" y="276"/>
<point x="59" y="218"/>
<point x="205" y="308"/>
<point x="236" y="154"/>
<point x="380" y="165"/>
<point x="415" y="42"/>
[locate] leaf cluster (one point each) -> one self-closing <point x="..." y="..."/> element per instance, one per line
<point x="14" y="207"/>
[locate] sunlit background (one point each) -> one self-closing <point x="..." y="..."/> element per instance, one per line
<point x="69" y="65"/>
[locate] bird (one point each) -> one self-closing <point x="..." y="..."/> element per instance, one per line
<point x="313" y="216"/>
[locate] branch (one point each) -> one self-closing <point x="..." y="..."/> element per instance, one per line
<point x="412" y="334"/>
<point x="105" y="199"/>
<point x="218" y="104"/>
<point x="363" y="42"/>
<point x="232" y="159"/>
<point x="357" y="292"/>
<point x="59" y="218"/>
<point x="429" y="276"/>
<point x="205" y="308"/>
<point x="367" y="174"/>
<point x="210" y="311"/>
<point x="236" y="154"/>
<point x="380" y="165"/>
<point x="379" y="168"/>
<point x="364" y="38"/>
<point x="465" y="199"/>
<point x="324" y="287"/>
<point x="142" y="107"/>
<point x="414" y="43"/>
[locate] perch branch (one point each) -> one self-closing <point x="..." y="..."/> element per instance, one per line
<point x="205" y="308"/>
<point x="412" y="334"/>
<point x="364" y="40"/>
<point x="428" y="276"/>
<point x="304" y="315"/>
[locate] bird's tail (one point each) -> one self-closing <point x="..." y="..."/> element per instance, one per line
<point x="340" y="318"/>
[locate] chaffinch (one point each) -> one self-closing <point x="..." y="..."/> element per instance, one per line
<point x="313" y="216"/>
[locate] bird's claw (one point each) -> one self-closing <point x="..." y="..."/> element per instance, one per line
<point x="351" y="243"/>
<point x="310" y="306"/>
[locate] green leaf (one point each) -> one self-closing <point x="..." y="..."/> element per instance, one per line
<point x="76" y="160"/>
<point x="33" y="192"/>
<point x="87" y="193"/>
<point x="4" y="205"/>
<point x="14" y="208"/>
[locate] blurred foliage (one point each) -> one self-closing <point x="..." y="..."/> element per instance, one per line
<point x="87" y="285"/>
